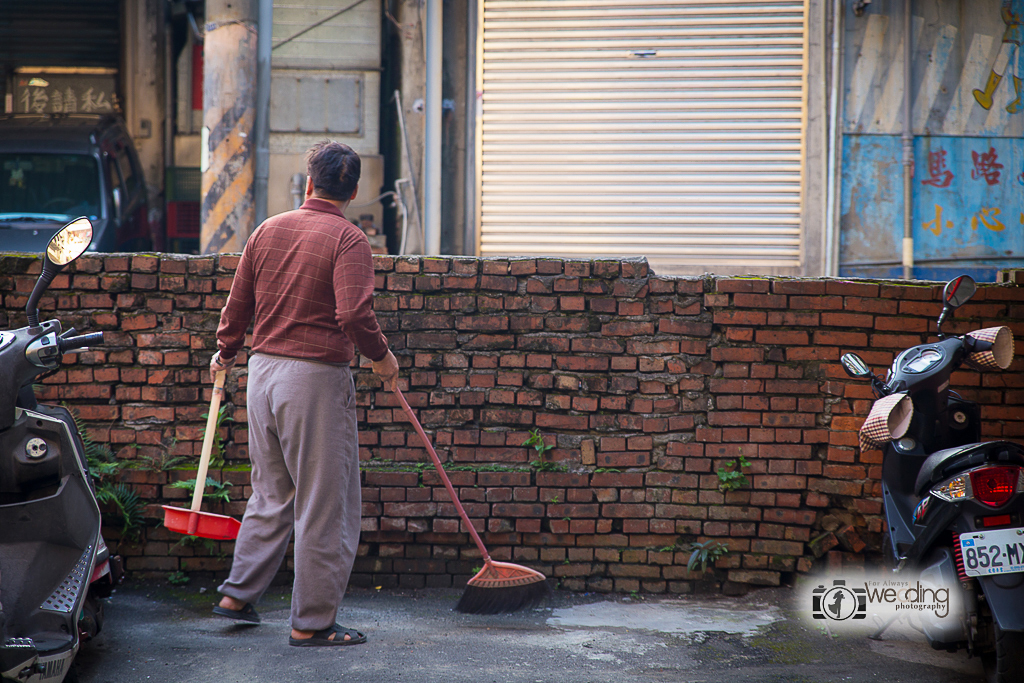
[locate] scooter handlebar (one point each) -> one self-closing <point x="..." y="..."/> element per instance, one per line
<point x="82" y="341"/>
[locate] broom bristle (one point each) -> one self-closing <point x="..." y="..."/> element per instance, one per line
<point x="503" y="587"/>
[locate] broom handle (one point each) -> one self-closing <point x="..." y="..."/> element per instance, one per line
<point x="211" y="428"/>
<point x="444" y="477"/>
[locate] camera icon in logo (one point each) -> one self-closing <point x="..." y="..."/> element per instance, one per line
<point x="839" y="602"/>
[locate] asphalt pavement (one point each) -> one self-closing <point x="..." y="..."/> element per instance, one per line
<point x="157" y="633"/>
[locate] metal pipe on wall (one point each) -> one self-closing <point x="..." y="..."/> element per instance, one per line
<point x="908" y="148"/>
<point x="469" y="245"/>
<point x="168" y="96"/>
<point x="831" y="189"/>
<point x="432" y="136"/>
<point x="161" y="241"/>
<point x="261" y="131"/>
<point x="410" y="181"/>
<point x="298" y="189"/>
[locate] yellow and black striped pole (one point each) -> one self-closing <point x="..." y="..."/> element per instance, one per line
<point x="229" y="112"/>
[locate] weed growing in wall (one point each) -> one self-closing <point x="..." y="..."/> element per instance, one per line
<point x="731" y="477"/>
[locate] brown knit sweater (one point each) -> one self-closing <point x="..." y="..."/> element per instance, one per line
<point x="307" y="277"/>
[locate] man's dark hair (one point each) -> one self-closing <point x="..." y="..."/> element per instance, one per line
<point x="334" y="168"/>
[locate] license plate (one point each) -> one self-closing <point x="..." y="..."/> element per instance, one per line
<point x="993" y="552"/>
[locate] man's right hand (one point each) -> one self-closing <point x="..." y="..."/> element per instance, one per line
<point x="216" y="365"/>
<point x="387" y="369"/>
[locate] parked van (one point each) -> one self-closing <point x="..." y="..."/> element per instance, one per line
<point x="57" y="167"/>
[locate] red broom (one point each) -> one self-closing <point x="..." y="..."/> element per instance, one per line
<point x="499" y="586"/>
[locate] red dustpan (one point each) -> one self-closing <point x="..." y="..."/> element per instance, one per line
<point x="194" y="522"/>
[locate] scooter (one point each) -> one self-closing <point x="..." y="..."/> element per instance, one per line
<point x="54" y="565"/>
<point x="953" y="503"/>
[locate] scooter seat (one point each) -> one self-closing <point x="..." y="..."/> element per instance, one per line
<point x="942" y="465"/>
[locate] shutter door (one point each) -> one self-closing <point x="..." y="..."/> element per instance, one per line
<point x="670" y="129"/>
<point x="60" y="33"/>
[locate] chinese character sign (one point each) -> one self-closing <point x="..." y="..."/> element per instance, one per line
<point x="65" y="94"/>
<point x="987" y="217"/>
<point x="968" y="201"/>
<point x="938" y="174"/>
<point x="938" y="224"/>
<point x="985" y="166"/>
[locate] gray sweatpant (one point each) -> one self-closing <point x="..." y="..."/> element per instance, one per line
<point x="304" y="449"/>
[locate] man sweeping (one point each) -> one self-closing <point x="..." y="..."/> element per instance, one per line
<point x="306" y="277"/>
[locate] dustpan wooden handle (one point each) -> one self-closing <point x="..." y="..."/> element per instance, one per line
<point x="211" y="428"/>
<point x="444" y="477"/>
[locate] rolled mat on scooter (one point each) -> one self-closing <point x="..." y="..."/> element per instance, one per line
<point x="993" y="348"/>
<point x="499" y="586"/>
<point x="888" y="420"/>
<point x="194" y="522"/>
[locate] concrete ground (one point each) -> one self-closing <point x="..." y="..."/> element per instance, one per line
<point x="156" y="633"/>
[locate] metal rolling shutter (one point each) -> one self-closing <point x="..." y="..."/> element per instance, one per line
<point x="60" y="33"/>
<point x="670" y="129"/>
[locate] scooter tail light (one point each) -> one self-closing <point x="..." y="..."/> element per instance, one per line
<point x="995" y="486"/>
<point x="953" y="490"/>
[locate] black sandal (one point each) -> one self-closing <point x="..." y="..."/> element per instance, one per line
<point x="323" y="638"/>
<point x="247" y="613"/>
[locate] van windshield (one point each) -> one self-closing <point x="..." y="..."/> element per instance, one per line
<point x="43" y="187"/>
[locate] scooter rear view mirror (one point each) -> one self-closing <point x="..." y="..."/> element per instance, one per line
<point x="69" y="243"/>
<point x="959" y="291"/>
<point x="854" y="366"/>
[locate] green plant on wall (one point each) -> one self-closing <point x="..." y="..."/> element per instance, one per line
<point x="159" y="461"/>
<point x="103" y="469"/>
<point x="178" y="578"/>
<point x="536" y="442"/>
<point x="209" y="546"/>
<point x="731" y="476"/>
<point x="214" y="489"/>
<point x="704" y="554"/>
<point x="675" y="547"/>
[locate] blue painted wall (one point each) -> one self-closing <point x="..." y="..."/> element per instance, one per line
<point x="968" y="120"/>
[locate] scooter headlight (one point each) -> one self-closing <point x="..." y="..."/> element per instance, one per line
<point x="955" y="489"/>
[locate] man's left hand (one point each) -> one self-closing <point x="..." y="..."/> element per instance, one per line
<point x="387" y="369"/>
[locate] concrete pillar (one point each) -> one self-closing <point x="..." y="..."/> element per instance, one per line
<point x="229" y="112"/>
<point x="410" y="52"/>
<point x="262" y="126"/>
<point x="143" y="87"/>
<point x="413" y="61"/>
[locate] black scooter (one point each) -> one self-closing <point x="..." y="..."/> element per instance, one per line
<point x="953" y="504"/>
<point x="54" y="565"/>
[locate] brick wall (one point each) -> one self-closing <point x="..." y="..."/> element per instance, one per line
<point x="645" y="386"/>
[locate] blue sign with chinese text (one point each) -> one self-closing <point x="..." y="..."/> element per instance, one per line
<point x="967" y="119"/>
